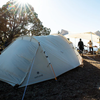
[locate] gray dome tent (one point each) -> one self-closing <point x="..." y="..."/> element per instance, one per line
<point x="38" y="58"/>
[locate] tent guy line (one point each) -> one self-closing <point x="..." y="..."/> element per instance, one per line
<point x="29" y="75"/>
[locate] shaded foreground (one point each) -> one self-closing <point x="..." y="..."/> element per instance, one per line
<point x="81" y="83"/>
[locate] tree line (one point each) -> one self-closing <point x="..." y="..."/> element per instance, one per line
<point x="17" y="20"/>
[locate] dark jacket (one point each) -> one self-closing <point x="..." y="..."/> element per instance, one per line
<point x="81" y="45"/>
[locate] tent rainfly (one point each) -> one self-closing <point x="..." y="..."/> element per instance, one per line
<point x="46" y="57"/>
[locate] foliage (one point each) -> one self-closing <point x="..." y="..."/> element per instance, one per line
<point x="17" y="20"/>
<point x="58" y="32"/>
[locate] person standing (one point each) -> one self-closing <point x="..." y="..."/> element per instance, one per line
<point x="81" y="46"/>
<point x="90" y="46"/>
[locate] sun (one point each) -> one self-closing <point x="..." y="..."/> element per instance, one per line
<point x="21" y="7"/>
<point x="22" y="1"/>
<point x="26" y="2"/>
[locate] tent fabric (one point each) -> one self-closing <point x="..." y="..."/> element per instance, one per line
<point x="16" y="60"/>
<point x="86" y="35"/>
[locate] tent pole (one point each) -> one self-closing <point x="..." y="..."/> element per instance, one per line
<point x="99" y="41"/>
<point x="92" y="44"/>
<point x="53" y="72"/>
<point x="75" y="42"/>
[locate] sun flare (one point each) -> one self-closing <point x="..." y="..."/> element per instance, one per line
<point x="23" y="2"/>
<point x="22" y="7"/>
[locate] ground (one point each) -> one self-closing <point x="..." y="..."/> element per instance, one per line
<point x="81" y="83"/>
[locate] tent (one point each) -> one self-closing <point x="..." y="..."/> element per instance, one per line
<point x="37" y="59"/>
<point x="86" y="35"/>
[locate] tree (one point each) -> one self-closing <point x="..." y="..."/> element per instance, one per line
<point x="58" y="32"/>
<point x="17" y="20"/>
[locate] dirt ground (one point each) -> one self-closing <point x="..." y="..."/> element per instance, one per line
<point x="81" y="83"/>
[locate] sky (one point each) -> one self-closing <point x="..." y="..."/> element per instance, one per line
<point x="75" y="16"/>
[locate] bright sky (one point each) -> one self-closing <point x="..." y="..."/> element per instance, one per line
<point x="75" y="16"/>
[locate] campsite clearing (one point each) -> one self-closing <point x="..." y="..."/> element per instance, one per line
<point x="81" y="83"/>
